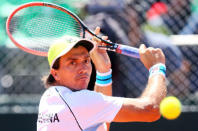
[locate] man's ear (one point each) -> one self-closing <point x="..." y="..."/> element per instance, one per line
<point x="54" y="73"/>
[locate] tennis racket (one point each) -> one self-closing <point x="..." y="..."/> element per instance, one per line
<point x="34" y="26"/>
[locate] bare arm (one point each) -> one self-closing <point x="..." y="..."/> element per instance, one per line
<point x="146" y="107"/>
<point x="101" y="62"/>
<point x="107" y="90"/>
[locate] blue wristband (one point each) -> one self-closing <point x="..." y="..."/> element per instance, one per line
<point x="104" y="82"/>
<point x="157" y="69"/>
<point x="104" y="79"/>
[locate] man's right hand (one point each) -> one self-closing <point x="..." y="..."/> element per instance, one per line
<point x="151" y="56"/>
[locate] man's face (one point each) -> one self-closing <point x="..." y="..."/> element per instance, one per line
<point x="75" y="69"/>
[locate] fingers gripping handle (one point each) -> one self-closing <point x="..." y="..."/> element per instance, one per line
<point x="128" y="50"/>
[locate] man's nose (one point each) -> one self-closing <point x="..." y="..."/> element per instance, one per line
<point x="83" y="68"/>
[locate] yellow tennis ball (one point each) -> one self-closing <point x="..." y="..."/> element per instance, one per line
<point x="170" y="107"/>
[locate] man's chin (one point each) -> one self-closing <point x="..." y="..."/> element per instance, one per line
<point x="83" y="85"/>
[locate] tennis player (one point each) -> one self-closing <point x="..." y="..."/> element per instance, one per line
<point x="67" y="105"/>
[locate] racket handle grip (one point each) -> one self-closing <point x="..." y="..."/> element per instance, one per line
<point x="128" y="50"/>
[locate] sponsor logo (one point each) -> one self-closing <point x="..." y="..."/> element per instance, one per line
<point x="48" y="118"/>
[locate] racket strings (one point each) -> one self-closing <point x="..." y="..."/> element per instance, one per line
<point x="41" y="26"/>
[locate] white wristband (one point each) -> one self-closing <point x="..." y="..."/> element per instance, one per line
<point x="104" y="79"/>
<point x="157" y="69"/>
<point x="104" y="74"/>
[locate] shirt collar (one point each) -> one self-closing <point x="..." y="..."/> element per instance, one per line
<point x="63" y="88"/>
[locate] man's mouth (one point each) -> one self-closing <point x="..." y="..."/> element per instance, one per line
<point x="83" y="77"/>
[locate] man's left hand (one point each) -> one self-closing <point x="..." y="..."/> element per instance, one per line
<point x="99" y="56"/>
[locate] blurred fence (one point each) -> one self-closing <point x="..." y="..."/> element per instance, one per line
<point x="159" y="23"/>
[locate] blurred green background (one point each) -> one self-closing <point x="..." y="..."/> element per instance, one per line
<point x="7" y="6"/>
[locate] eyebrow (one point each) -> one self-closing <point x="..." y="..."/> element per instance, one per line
<point x="76" y="57"/>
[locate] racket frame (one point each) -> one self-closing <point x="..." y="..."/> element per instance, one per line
<point x="45" y="4"/>
<point x="110" y="45"/>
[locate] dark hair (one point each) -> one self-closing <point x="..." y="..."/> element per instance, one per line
<point x="49" y="80"/>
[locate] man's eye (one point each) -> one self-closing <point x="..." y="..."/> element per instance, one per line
<point x="73" y="63"/>
<point x="87" y="61"/>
